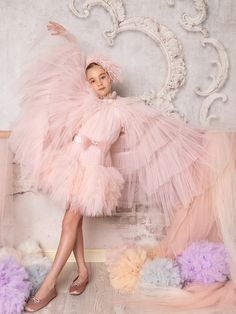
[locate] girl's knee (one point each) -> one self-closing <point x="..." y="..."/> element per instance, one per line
<point x="71" y="220"/>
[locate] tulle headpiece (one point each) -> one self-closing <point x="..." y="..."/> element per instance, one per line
<point x="107" y="64"/>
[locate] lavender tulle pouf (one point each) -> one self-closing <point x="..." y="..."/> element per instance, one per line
<point x="204" y="262"/>
<point x="14" y="286"/>
<point x="22" y="270"/>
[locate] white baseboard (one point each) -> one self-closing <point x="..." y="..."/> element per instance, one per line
<point x="91" y="255"/>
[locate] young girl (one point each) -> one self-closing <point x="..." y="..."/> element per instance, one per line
<point x="91" y="150"/>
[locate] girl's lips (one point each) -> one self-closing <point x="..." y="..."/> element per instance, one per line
<point x="102" y="88"/>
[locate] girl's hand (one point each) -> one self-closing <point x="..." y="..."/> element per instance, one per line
<point x="55" y="28"/>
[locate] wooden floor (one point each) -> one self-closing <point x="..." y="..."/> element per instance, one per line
<point x="97" y="299"/>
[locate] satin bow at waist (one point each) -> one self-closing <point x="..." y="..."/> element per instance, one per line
<point x="86" y="142"/>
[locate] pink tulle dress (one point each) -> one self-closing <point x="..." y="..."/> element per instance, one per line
<point x="93" y="154"/>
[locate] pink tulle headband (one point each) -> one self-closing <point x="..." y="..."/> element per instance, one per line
<point x="107" y="64"/>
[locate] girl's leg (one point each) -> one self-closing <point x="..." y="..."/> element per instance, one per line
<point x="67" y="241"/>
<point x="78" y="251"/>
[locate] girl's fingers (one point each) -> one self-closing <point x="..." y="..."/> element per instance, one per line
<point x="56" y="28"/>
<point x="51" y="22"/>
<point x="56" y="25"/>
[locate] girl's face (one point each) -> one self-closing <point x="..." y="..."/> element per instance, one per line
<point x="99" y="81"/>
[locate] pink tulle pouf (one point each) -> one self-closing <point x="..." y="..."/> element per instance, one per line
<point x="14" y="286"/>
<point x="204" y="262"/>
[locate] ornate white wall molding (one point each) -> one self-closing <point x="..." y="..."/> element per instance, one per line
<point x="162" y="35"/>
<point x="218" y="80"/>
<point x="195" y="24"/>
<point x="205" y="116"/>
<point x="114" y="7"/>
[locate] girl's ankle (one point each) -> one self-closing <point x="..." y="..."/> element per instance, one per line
<point x="49" y="283"/>
<point x="83" y="270"/>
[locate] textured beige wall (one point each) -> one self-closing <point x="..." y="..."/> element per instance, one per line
<point x="22" y="32"/>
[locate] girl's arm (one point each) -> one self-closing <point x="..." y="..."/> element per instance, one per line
<point x="58" y="29"/>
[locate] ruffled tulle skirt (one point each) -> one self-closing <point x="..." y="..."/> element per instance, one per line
<point x="92" y="189"/>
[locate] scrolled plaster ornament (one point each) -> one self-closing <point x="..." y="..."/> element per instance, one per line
<point x="114" y="7"/>
<point x="194" y="24"/>
<point x="205" y="117"/>
<point x="220" y="78"/>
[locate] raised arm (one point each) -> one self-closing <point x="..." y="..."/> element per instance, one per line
<point x="57" y="29"/>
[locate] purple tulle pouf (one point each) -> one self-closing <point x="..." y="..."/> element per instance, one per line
<point x="204" y="262"/>
<point x="14" y="286"/>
